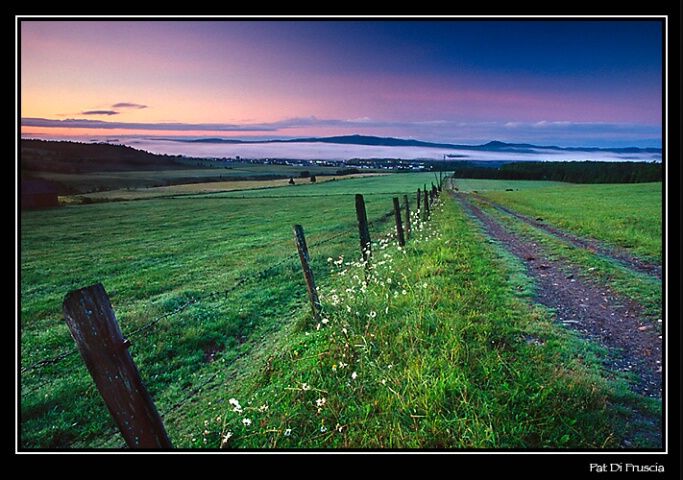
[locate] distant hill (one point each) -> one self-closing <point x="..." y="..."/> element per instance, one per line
<point x="74" y="157"/>
<point x="369" y="140"/>
<point x="492" y="146"/>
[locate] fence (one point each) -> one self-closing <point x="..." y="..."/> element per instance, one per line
<point x="93" y="326"/>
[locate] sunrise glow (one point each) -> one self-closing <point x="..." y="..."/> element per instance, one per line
<point x="570" y="82"/>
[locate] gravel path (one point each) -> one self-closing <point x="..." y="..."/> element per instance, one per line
<point x="594" y="310"/>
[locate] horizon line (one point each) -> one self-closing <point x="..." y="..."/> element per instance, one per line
<point x="481" y="132"/>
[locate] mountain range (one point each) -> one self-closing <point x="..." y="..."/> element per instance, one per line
<point x="495" y="146"/>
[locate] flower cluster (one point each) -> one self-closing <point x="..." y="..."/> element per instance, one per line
<point x="364" y="297"/>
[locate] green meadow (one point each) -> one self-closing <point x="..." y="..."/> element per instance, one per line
<point x="430" y="345"/>
<point x="624" y="215"/>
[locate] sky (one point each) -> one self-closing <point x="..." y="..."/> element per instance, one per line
<point x="551" y="81"/>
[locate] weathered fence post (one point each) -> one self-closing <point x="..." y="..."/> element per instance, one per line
<point x="308" y="272"/>
<point x="426" y="202"/>
<point x="363" y="229"/>
<point x="417" y="208"/>
<point x="405" y="198"/>
<point x="93" y="326"/>
<point x="399" y="225"/>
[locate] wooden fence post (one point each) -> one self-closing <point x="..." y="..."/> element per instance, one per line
<point x="426" y="202"/>
<point x="417" y="208"/>
<point x="93" y="326"/>
<point x="363" y="229"/>
<point x="308" y="272"/>
<point x="399" y="226"/>
<point x="405" y="198"/>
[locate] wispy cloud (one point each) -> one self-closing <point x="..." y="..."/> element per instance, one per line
<point x="115" y="109"/>
<point x="170" y="126"/>
<point x="134" y="106"/>
<point x="100" y="112"/>
<point x="286" y="124"/>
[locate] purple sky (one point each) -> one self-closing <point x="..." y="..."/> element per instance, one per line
<point x="567" y="82"/>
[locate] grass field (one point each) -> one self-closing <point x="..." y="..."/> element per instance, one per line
<point x="154" y="256"/>
<point x="470" y="185"/>
<point x="432" y="349"/>
<point x="193" y="173"/>
<point x="628" y="216"/>
<point x="221" y="187"/>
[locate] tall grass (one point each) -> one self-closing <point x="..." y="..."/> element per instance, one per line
<point x="425" y="347"/>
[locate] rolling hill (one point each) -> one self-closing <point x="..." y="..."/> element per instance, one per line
<point x="73" y="157"/>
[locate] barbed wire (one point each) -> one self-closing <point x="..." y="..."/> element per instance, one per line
<point x="346" y="230"/>
<point x="239" y="283"/>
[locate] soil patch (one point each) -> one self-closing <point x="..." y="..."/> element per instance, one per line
<point x="594" y="310"/>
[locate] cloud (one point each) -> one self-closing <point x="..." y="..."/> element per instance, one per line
<point x="286" y="124"/>
<point x="570" y="133"/>
<point x="115" y="109"/>
<point x="135" y="106"/>
<point x="584" y="127"/>
<point x="578" y="134"/>
<point x="101" y="124"/>
<point x="100" y="112"/>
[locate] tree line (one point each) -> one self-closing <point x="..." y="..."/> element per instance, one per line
<point x="573" y="172"/>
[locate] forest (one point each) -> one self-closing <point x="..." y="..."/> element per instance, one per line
<point x="573" y="172"/>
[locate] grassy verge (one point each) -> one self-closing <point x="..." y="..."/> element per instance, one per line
<point x="429" y="348"/>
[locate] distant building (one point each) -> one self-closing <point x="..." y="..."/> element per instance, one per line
<point x="38" y="194"/>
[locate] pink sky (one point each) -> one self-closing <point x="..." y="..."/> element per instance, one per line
<point x="450" y="81"/>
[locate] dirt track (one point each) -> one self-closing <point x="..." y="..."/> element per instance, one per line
<point x="594" y="310"/>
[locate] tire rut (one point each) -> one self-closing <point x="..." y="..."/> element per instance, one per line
<point x="595" y="311"/>
<point x="620" y="256"/>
